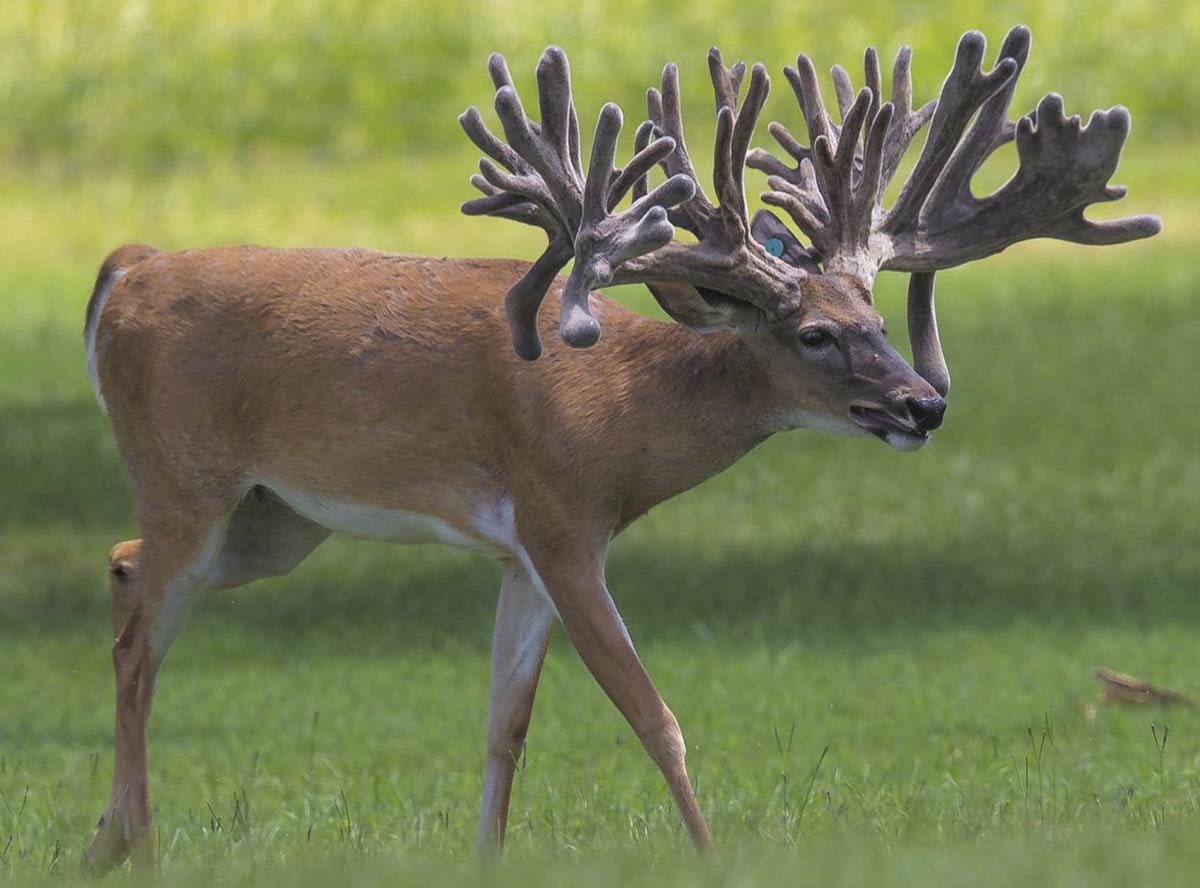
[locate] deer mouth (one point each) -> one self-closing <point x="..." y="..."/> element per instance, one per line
<point x="892" y="430"/>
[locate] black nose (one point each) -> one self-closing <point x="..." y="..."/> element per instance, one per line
<point x="927" y="412"/>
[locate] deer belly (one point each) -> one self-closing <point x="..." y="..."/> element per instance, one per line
<point x="375" y="522"/>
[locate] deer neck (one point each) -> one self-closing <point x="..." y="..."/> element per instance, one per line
<point x="691" y="407"/>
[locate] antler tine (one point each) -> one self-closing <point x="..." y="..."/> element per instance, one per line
<point x="800" y="198"/>
<point x="665" y="112"/>
<point x="964" y="91"/>
<point x="987" y="133"/>
<point x="635" y="175"/>
<point x="1064" y="167"/>
<point x="794" y="189"/>
<point x="641" y="184"/>
<point x="605" y="241"/>
<point x="559" y="126"/>
<point x="727" y="82"/>
<point x="498" y="68"/>
<point x="727" y="221"/>
<point x="735" y="127"/>
<point x="833" y="162"/>
<point x="524" y="298"/>
<point x="472" y="123"/>
<point x="873" y="80"/>
<point x="803" y="79"/>
<point x="928" y="360"/>
<point x="868" y="189"/>
<point x="506" y="205"/>
<point x="843" y="89"/>
<point x="907" y="122"/>
<point x="546" y="148"/>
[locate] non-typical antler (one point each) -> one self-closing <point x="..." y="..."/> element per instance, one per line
<point x="834" y="193"/>
<point x="542" y="184"/>
<point x="833" y="190"/>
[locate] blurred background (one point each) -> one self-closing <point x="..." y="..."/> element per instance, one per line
<point x="931" y="619"/>
<point x="272" y="120"/>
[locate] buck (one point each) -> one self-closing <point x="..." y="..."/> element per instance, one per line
<point x="263" y="399"/>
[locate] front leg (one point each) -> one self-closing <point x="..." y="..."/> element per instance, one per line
<point x="574" y="578"/>
<point x="524" y="619"/>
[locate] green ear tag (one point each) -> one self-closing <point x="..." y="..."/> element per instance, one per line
<point x="774" y="246"/>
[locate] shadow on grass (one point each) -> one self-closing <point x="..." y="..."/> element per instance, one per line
<point x="59" y="467"/>
<point x="374" y="599"/>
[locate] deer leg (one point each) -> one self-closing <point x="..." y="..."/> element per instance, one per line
<point x="153" y="593"/>
<point x="524" y="619"/>
<point x="590" y="618"/>
<point x="122" y="565"/>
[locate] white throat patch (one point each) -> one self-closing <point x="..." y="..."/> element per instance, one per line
<point x="785" y="420"/>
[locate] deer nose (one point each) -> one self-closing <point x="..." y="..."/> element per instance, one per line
<point x="927" y="412"/>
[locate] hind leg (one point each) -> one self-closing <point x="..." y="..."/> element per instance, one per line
<point x="153" y="592"/>
<point x="122" y="565"/>
<point x="262" y="538"/>
<point x="109" y="844"/>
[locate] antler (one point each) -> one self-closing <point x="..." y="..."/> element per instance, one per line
<point x="544" y="186"/>
<point x="834" y="193"/>
<point x="834" y="190"/>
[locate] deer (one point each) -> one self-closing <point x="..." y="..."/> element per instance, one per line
<point x="263" y="399"/>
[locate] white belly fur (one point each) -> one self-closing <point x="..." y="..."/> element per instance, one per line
<point x="373" y="522"/>
<point x="493" y="526"/>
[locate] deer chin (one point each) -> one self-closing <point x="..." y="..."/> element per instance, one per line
<point x="906" y="441"/>
<point x="895" y="432"/>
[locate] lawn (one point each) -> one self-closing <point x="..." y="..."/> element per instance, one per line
<point x="881" y="660"/>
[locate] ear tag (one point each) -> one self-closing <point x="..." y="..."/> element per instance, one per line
<point x="774" y="246"/>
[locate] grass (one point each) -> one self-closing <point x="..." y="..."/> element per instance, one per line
<point x="867" y="649"/>
<point x="881" y="660"/>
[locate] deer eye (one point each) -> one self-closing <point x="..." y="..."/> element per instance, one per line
<point x="815" y="337"/>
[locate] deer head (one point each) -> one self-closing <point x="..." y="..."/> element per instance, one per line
<point x="805" y="310"/>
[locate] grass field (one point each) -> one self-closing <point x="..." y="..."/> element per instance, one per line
<point x="881" y="660"/>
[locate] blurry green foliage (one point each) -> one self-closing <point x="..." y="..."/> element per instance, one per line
<point x="147" y="83"/>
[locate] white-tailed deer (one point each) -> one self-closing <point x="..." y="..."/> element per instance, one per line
<point x="263" y="399"/>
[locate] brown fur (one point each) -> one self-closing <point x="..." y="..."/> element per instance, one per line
<point x="390" y="381"/>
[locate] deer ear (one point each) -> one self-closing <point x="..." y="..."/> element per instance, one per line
<point x="705" y="311"/>
<point x="778" y="240"/>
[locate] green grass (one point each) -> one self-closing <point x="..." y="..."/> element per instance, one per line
<point x="881" y="660"/>
<point x="930" y="619"/>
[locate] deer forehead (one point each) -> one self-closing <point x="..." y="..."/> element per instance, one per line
<point x="839" y="298"/>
